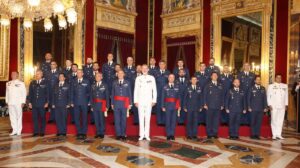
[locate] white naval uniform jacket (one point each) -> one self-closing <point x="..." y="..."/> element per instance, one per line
<point x="15" y="92"/>
<point x="145" y="90"/>
<point x="277" y="95"/>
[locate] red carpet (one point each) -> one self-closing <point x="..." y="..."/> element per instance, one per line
<point x="133" y="130"/>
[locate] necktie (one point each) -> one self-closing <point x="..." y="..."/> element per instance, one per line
<point x="79" y="81"/>
<point x="120" y="83"/>
<point x="194" y="88"/>
<point x="38" y="82"/>
<point x="162" y="72"/>
<point x="172" y="86"/>
<point x="60" y="84"/>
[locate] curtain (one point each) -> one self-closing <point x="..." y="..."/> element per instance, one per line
<point x="118" y="43"/>
<point x="182" y="48"/>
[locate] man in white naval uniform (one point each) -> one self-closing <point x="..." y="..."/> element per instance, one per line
<point x="145" y="96"/>
<point x="277" y="96"/>
<point x="15" y="98"/>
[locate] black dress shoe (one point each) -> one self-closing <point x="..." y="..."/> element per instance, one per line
<point x="237" y="137"/>
<point x="35" y="135"/>
<point x="189" y="138"/>
<point x="96" y="136"/>
<point x="252" y="137"/>
<point x="231" y="137"/>
<point x="216" y="137"/>
<point x="257" y="137"/>
<point x="168" y="138"/>
<point x="195" y="138"/>
<point x="118" y="138"/>
<point x="209" y="137"/>
<point x="58" y="135"/>
<point x="172" y="138"/>
<point x="83" y="136"/>
<point x="63" y="135"/>
<point x="101" y="136"/>
<point x="42" y="134"/>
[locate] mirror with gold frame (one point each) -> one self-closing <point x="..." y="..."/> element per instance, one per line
<point x="249" y="37"/>
<point x="241" y="41"/>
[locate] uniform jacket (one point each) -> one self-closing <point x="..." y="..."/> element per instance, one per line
<point x="15" y="92"/>
<point x="257" y="98"/>
<point x="38" y="93"/>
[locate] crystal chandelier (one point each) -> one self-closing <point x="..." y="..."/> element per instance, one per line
<point x="36" y="10"/>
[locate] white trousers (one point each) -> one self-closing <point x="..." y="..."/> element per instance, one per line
<point x="277" y="118"/>
<point x="15" y="116"/>
<point x="144" y="119"/>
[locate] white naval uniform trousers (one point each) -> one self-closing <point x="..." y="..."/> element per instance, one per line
<point x="15" y="96"/>
<point x="277" y="96"/>
<point x="145" y="94"/>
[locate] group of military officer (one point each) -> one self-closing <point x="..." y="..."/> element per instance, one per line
<point x="208" y="97"/>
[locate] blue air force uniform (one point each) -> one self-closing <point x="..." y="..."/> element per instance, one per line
<point x="73" y="78"/>
<point x="109" y="74"/>
<point x="257" y="102"/>
<point x="193" y="102"/>
<point x="247" y="81"/>
<point x="99" y="104"/>
<point x="130" y="75"/>
<point x="88" y="72"/>
<point x="62" y="97"/>
<point x="214" y="99"/>
<point x="121" y="100"/>
<point x="45" y="67"/>
<point x="203" y="79"/>
<point x="183" y="83"/>
<point x="153" y="70"/>
<point x="235" y="102"/>
<point x="212" y="68"/>
<point x="170" y="100"/>
<point x="81" y="98"/>
<point x="52" y="79"/>
<point x="226" y="80"/>
<point x="161" y="79"/>
<point x="38" y="97"/>
<point x="176" y="73"/>
<point x="68" y="74"/>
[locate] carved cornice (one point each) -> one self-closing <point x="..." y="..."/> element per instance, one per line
<point x="185" y="20"/>
<point x="232" y="7"/>
<point x="115" y="18"/>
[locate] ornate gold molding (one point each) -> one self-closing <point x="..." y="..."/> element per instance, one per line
<point x="78" y="40"/>
<point x="115" y="18"/>
<point x="187" y="22"/>
<point x="228" y="8"/>
<point x="4" y="53"/>
<point x="28" y="56"/>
